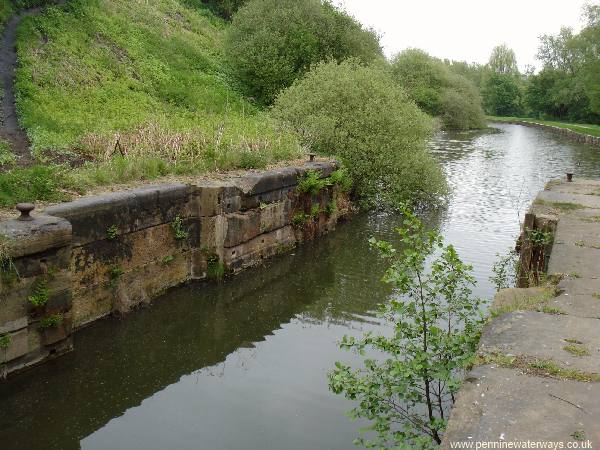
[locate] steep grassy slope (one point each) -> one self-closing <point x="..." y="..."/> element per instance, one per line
<point x="148" y="74"/>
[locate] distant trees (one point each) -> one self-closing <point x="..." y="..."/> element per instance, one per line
<point x="359" y="114"/>
<point x="503" y="61"/>
<point x="273" y="42"/>
<point x="568" y="85"/>
<point x="438" y="90"/>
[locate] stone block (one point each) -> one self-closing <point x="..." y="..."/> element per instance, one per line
<point x="36" y="236"/>
<point x="212" y="234"/>
<point x="91" y="303"/>
<point x="275" y="215"/>
<point x="214" y="197"/>
<point x="19" y="346"/>
<point x="92" y="263"/>
<point x="254" y="251"/>
<point x="497" y="404"/>
<point x="128" y="211"/>
<point x="242" y="227"/>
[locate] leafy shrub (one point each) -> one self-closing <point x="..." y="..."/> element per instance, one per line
<point x="502" y="95"/>
<point x="341" y="179"/>
<point x="359" y="114"/>
<point x="272" y="42"/>
<point x="311" y="183"/>
<point x="407" y="391"/>
<point x="438" y="90"/>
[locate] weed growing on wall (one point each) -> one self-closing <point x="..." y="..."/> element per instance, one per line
<point x="112" y="232"/>
<point x="407" y="394"/>
<point x="8" y="271"/>
<point x="177" y="226"/>
<point x="215" y="269"/>
<point x="40" y="292"/>
<point x="53" y="321"/>
<point x="5" y="340"/>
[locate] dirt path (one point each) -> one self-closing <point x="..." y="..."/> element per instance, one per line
<point x="10" y="128"/>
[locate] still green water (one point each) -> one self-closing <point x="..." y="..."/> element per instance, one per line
<point x="242" y="364"/>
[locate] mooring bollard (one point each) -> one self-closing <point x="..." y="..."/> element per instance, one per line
<point x="25" y="210"/>
<point x="569" y="177"/>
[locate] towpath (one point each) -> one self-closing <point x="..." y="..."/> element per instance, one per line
<point x="538" y="374"/>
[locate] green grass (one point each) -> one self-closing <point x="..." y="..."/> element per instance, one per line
<point x="6" y="10"/>
<point x="148" y="75"/>
<point x="591" y="129"/>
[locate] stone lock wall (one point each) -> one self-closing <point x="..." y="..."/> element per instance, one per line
<point x="570" y="134"/>
<point x="108" y="254"/>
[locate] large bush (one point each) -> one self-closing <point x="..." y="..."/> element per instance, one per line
<point x="272" y="42"/>
<point x="359" y="114"/>
<point x="502" y="95"/>
<point x="438" y="90"/>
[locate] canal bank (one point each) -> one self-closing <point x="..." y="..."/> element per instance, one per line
<point x="537" y="376"/>
<point x="569" y="134"/>
<point x="80" y="261"/>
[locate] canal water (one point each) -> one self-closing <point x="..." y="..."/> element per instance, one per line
<point x="243" y="364"/>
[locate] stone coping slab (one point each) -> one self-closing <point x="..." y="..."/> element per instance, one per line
<point x="498" y="404"/>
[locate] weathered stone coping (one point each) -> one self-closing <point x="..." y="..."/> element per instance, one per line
<point x="110" y="253"/>
<point x="573" y="135"/>
<point x="538" y="376"/>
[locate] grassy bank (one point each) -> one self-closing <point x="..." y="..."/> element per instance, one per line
<point x="133" y="91"/>
<point x="592" y="130"/>
<point x="6" y="10"/>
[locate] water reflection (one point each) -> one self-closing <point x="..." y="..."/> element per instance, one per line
<point x="243" y="364"/>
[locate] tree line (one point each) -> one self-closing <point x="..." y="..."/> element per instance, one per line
<point x="566" y="88"/>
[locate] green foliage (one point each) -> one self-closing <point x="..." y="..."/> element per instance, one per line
<point x="361" y="116"/>
<point x="505" y="270"/>
<point x="215" y="268"/>
<point x="331" y="208"/>
<point x="539" y="238"/>
<point x="315" y="210"/>
<point x="7" y="157"/>
<point x="177" y="226"/>
<point x="5" y="340"/>
<point x="6" y="10"/>
<point x="112" y="232"/>
<point x="503" y="61"/>
<point x="40" y="292"/>
<point x="114" y="274"/>
<point x="300" y="219"/>
<point x="167" y="260"/>
<point x="502" y="95"/>
<point x="311" y="183"/>
<point x="568" y="86"/>
<point x="8" y="271"/>
<point x="149" y="75"/>
<point x="40" y="182"/>
<point x="224" y="8"/>
<point x="341" y="178"/>
<point x="53" y="321"/>
<point x="407" y="393"/>
<point x="438" y="90"/>
<point x="271" y="43"/>
<point x="576" y="350"/>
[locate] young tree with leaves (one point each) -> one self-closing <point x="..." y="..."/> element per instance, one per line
<point x="408" y="393"/>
